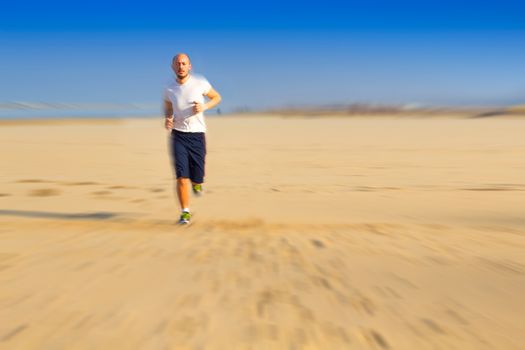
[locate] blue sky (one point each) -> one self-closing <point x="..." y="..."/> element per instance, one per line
<point x="266" y="54"/>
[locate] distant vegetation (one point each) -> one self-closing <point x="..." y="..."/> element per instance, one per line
<point x="362" y="109"/>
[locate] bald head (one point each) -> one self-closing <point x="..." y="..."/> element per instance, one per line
<point x="181" y="65"/>
<point x="181" y="55"/>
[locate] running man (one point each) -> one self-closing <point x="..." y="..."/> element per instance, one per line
<point x="184" y="107"/>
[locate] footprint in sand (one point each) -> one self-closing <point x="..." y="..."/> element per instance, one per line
<point x="120" y="187"/>
<point x="432" y="325"/>
<point x="31" y="181"/>
<point x="317" y="243"/>
<point x="101" y="193"/>
<point x="44" y="192"/>
<point x="137" y="200"/>
<point x="371" y="337"/>
<point x="157" y="190"/>
<point x="80" y="183"/>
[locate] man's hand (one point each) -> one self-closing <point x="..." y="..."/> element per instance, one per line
<point x="168" y="122"/>
<point x="198" y="107"/>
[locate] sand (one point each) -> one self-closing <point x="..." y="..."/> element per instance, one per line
<point x="314" y="233"/>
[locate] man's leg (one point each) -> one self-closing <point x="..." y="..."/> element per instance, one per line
<point x="183" y="188"/>
<point x="183" y="192"/>
<point x="197" y="163"/>
<point x="182" y="170"/>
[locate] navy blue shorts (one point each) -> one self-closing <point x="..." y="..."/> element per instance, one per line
<point x="188" y="150"/>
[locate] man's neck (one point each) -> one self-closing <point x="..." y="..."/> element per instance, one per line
<point x="183" y="80"/>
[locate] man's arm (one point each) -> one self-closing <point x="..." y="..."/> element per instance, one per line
<point x="215" y="99"/>
<point x="168" y="115"/>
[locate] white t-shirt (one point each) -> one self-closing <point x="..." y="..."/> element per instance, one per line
<point x="182" y="97"/>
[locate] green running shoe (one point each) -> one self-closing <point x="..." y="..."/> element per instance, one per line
<point x="185" y="218"/>
<point x="197" y="190"/>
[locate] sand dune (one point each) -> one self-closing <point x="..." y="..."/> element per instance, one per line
<point x="313" y="234"/>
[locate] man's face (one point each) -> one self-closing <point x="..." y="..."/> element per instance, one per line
<point x="181" y="66"/>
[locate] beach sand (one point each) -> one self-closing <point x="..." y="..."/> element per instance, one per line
<point x="314" y="233"/>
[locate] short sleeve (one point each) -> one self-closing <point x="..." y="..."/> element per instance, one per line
<point x="206" y="86"/>
<point x="165" y="95"/>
